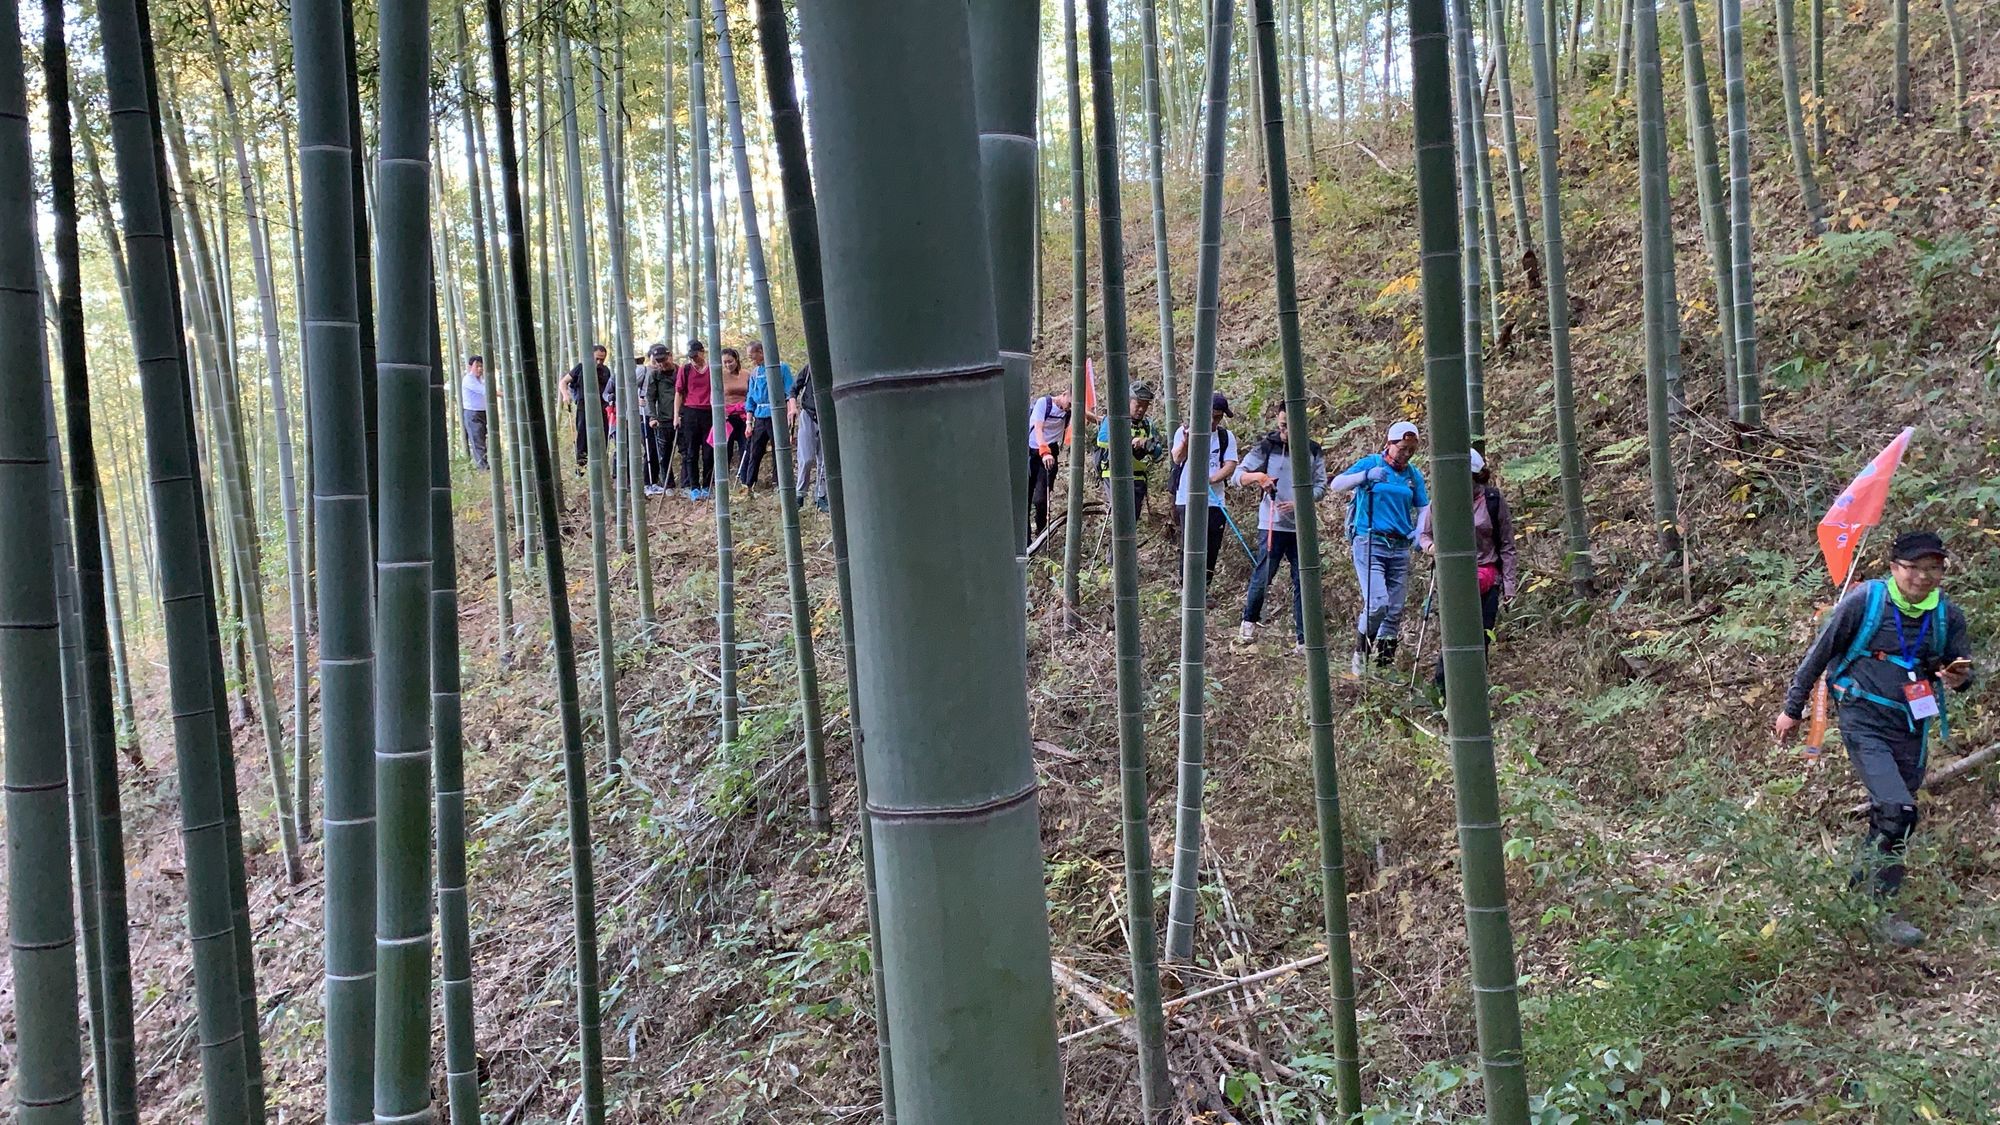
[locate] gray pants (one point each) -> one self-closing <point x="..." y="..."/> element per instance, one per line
<point x="1383" y="572"/>
<point x="475" y="436"/>
<point x="808" y="460"/>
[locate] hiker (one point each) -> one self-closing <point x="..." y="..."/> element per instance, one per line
<point x="1222" y="461"/>
<point x="693" y="421"/>
<point x="1390" y="498"/>
<point x="1145" y="449"/>
<point x="757" y="401"/>
<point x="655" y="411"/>
<point x="802" y="412"/>
<point x="1493" y="551"/>
<point x="1268" y="468"/>
<point x="571" y="388"/>
<point x="1048" y="420"/>
<point x="1887" y="651"/>
<point x="735" y="417"/>
<point x="472" y="403"/>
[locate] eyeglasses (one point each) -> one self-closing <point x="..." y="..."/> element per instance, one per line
<point x="1932" y="568"/>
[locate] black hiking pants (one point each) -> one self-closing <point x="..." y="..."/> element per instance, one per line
<point x="697" y="456"/>
<point x="754" y="454"/>
<point x="1890" y="759"/>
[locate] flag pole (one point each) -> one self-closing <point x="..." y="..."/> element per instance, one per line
<point x="1816" y="731"/>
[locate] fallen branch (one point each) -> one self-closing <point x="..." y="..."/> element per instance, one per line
<point x="1226" y="986"/>
<point x="1952" y="772"/>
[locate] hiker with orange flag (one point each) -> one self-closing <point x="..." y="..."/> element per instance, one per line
<point x="1888" y="651"/>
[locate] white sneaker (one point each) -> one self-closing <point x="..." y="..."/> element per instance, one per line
<point x="1356" y="667"/>
<point x="1248" y="633"/>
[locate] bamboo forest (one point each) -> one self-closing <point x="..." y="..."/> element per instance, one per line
<point x="741" y="561"/>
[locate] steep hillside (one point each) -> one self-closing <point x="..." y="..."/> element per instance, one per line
<point x="1687" y="946"/>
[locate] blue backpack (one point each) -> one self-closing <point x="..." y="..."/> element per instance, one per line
<point x="1843" y="685"/>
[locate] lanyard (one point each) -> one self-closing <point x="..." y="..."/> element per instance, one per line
<point x="1908" y="652"/>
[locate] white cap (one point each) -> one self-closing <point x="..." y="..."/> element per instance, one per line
<point x="1401" y="430"/>
<point x="1478" y="462"/>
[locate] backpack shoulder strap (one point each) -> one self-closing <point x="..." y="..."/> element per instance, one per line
<point x="1941" y="629"/>
<point x="1493" y="512"/>
<point x="1871" y="620"/>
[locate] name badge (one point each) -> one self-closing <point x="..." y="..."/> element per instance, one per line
<point x="1922" y="701"/>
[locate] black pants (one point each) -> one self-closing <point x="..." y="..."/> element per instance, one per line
<point x="1041" y="478"/>
<point x="1283" y="547"/>
<point x="738" y="425"/>
<point x="697" y="456"/>
<point x="659" y="452"/>
<point x="758" y="449"/>
<point x="1215" y="525"/>
<point x="1489" y="614"/>
<point x="475" y="436"/>
<point x="1890" y="758"/>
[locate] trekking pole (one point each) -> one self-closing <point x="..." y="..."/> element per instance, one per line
<point x="1216" y="501"/>
<point x="1423" y="623"/>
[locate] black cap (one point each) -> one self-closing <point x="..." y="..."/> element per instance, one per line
<point x="658" y="351"/>
<point x="1914" y="545"/>
<point x="1143" y="392"/>
<point x="1220" y="405"/>
<point x="695" y="346"/>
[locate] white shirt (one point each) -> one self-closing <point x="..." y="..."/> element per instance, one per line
<point x="1220" y="452"/>
<point x="472" y="390"/>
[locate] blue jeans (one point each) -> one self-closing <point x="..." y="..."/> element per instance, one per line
<point x="1383" y="572"/>
<point x="1284" y="547"/>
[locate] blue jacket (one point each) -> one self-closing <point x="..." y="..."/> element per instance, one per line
<point x="758" y="400"/>
<point x="1387" y="510"/>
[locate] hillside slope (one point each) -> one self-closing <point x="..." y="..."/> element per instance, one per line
<point x="1688" y="949"/>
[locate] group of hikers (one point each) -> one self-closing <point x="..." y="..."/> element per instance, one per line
<point x="1889" y="650"/>
<point x="675" y="406"/>
<point x="1388" y="520"/>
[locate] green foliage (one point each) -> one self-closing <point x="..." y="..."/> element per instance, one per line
<point x="1833" y="261"/>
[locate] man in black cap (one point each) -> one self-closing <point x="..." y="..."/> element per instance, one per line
<point x="1888" y="651"/>
<point x="1146" y="448"/>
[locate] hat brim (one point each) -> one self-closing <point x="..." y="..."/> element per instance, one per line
<point x="1923" y="553"/>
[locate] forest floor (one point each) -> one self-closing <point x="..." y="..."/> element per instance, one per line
<point x="1687" y="946"/>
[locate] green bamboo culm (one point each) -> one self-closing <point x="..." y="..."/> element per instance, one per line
<point x="725" y="547"/>
<point x="1319" y="676"/>
<point x="1510" y="140"/>
<point x="403" y="362"/>
<point x="1960" y="83"/>
<point x="102" y="819"/>
<point x="471" y="126"/>
<point x="1194" y="521"/>
<point x="1155" y="1080"/>
<point x="1749" y="381"/>
<point x="174" y="480"/>
<point x="591" y="403"/>
<point x="1795" y="118"/>
<point x="1480" y="834"/>
<point x="802" y="225"/>
<point x="562" y="637"/>
<point x="342" y="531"/>
<point x="461" y="1060"/>
<point x="633" y="465"/>
<point x="1900" y="18"/>
<point x="944" y="723"/>
<point x="1470" y="145"/>
<point x="1576" y="521"/>
<point x="1079" y="328"/>
<point x="818" y="801"/>
<point x="1156" y="176"/>
<point x="41" y="932"/>
<point x="1005" y="37"/>
<point x="1708" y="179"/>
<point x="1661" y="305"/>
<point x="290" y="811"/>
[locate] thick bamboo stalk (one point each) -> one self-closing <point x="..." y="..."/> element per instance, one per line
<point x="1749" y="380"/>
<point x="1714" y="205"/>
<point x="1661" y="315"/>
<point x="583" y="888"/>
<point x="345" y="553"/>
<point x="1480" y="833"/>
<point x="1155" y="1080"/>
<point x="1192" y="774"/>
<point x="1795" y="121"/>
<point x="1079" y="328"/>
<point x="1471" y="144"/>
<point x="943" y="712"/>
<point x="1576" y="522"/>
<point x="802" y="220"/>
<point x="1163" y="278"/>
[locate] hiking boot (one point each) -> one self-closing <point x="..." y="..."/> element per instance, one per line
<point x="1385" y="652"/>
<point x="1248" y="633"/>
<point x="1897" y="931"/>
<point x="1298" y="648"/>
<point x="1359" y="665"/>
